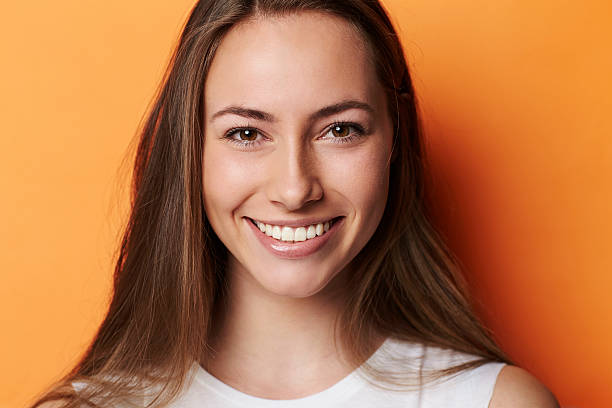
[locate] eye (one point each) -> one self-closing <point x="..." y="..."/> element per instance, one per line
<point x="344" y="132"/>
<point x="243" y="135"/>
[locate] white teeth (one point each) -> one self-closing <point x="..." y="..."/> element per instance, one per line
<point x="300" y="234"/>
<point x="287" y="234"/>
<point x="319" y="229"/>
<point x="311" y="233"/>
<point x="290" y="234"/>
<point x="276" y="232"/>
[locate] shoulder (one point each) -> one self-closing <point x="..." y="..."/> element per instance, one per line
<point x="516" y="387"/>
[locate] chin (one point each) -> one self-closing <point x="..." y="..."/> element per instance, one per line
<point x="295" y="281"/>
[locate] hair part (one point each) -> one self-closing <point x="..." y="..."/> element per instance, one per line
<point x="169" y="273"/>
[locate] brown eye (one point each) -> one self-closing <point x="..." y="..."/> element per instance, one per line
<point x="247" y="134"/>
<point x="340" y="131"/>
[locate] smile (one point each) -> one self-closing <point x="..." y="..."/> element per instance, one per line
<point x="286" y="233"/>
<point x="294" y="242"/>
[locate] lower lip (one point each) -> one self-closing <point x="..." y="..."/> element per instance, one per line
<point x="294" y="250"/>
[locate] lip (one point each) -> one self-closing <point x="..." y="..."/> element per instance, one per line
<point x="294" y="250"/>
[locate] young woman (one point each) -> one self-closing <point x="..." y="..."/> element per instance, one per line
<point x="279" y="251"/>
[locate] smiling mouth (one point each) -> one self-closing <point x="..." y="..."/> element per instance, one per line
<point x="294" y="234"/>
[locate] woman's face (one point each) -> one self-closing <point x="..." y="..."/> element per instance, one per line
<point x="297" y="135"/>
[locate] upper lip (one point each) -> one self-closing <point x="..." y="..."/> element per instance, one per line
<point x="295" y="223"/>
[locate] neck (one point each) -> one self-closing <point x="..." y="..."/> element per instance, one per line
<point x="276" y="346"/>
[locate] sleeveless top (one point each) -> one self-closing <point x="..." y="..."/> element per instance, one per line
<point x="471" y="388"/>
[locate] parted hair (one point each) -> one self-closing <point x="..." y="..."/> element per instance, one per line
<point x="170" y="265"/>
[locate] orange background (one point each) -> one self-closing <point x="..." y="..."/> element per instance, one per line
<point x="516" y="97"/>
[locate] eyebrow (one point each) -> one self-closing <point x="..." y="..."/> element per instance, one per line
<point x="321" y="113"/>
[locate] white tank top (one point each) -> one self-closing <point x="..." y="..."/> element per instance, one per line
<point x="470" y="388"/>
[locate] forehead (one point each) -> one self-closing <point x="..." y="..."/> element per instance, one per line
<point x="291" y="64"/>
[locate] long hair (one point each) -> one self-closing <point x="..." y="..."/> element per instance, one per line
<point x="169" y="272"/>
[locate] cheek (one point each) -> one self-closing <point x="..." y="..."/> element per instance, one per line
<point x="362" y="177"/>
<point x="225" y="181"/>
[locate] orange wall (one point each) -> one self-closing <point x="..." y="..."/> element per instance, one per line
<point x="514" y="96"/>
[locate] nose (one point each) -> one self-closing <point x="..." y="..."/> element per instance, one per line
<point x="294" y="181"/>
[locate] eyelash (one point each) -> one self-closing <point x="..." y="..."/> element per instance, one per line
<point x="358" y="132"/>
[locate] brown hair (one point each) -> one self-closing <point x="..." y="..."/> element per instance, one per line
<point x="169" y="272"/>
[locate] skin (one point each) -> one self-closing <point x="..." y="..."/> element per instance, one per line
<point x="516" y="387"/>
<point x="274" y="337"/>
<point x="279" y="314"/>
